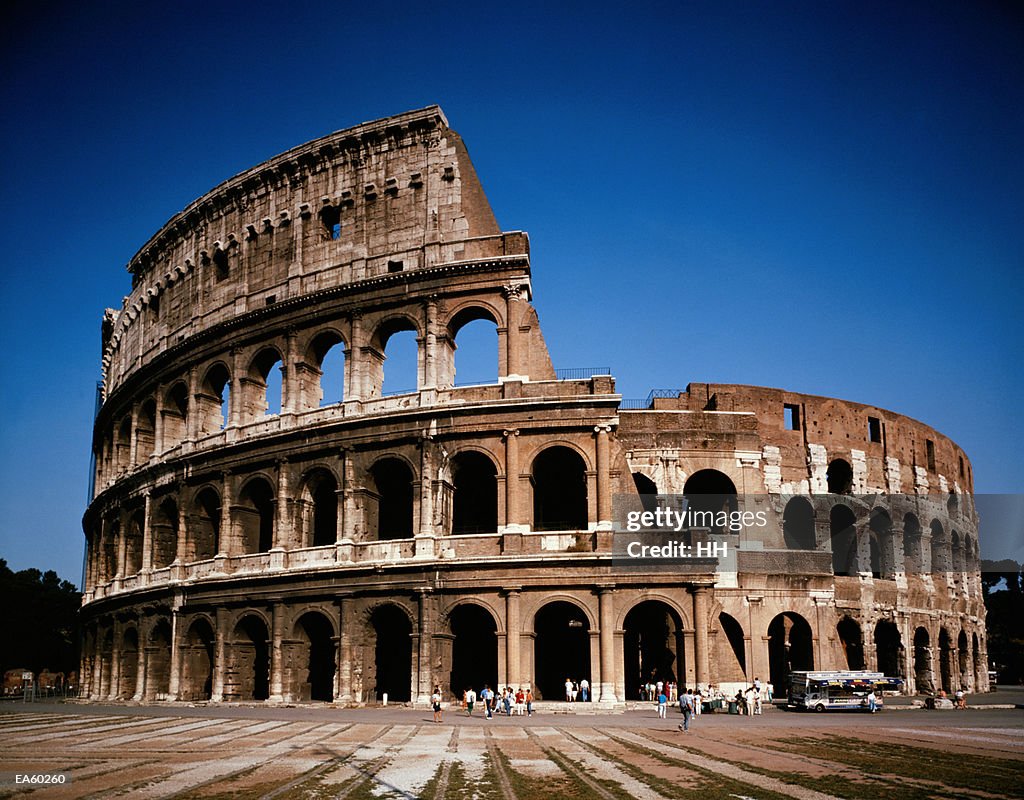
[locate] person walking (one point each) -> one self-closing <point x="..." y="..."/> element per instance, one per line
<point x="529" y="702"/>
<point x="584" y="690"/>
<point x="470" y="701"/>
<point x="662" y="704"/>
<point x="485" y="695"/>
<point x="686" y="706"/>
<point x="568" y="690"/>
<point x="435" y="700"/>
<point x="872" y="702"/>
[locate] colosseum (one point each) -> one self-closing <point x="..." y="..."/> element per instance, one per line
<point x="330" y="541"/>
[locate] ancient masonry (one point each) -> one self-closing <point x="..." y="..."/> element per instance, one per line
<point x="351" y="543"/>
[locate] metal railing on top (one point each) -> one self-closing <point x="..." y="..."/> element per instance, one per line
<point x="580" y="373"/>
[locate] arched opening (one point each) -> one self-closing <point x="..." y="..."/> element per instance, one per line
<point x="963" y="659"/>
<point x="129" y="663"/>
<point x="559" y="491"/>
<point x="474" y="649"/>
<point x="109" y="554"/>
<point x="158" y="661"/>
<point x="648" y="491"/>
<point x="316" y="657"/>
<point x="956" y="553"/>
<point x="473" y="335"/>
<point x="123" y="446"/>
<point x="175" y="415"/>
<point x="880" y="540"/>
<point x="204" y="527"/>
<point x="979" y="663"/>
<point x="197" y="662"/>
<point x="133" y="542"/>
<point x="789" y="647"/>
<point x="843" y="536"/>
<point x="320" y="509"/>
<point x="653" y="645"/>
<point x="912" y="550"/>
<point x="254" y="516"/>
<point x="940" y="549"/>
<point x="475" y="500"/>
<point x="145" y="432"/>
<point x="729" y="650"/>
<point x="106" y="663"/>
<point x="889" y="649"/>
<point x="248" y="674"/>
<point x="923" y="662"/>
<point x="392" y="654"/>
<point x="264" y="385"/>
<point x="852" y="643"/>
<point x="164" y="531"/>
<point x="327" y="354"/>
<point x="399" y="359"/>
<point x="945" y="661"/>
<point x="393" y="491"/>
<point x="708" y="494"/>
<point x="839" y="476"/>
<point x="561" y="648"/>
<point x="214" y="400"/>
<point x="798" y="525"/>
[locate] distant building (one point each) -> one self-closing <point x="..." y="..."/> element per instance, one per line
<point x="347" y="545"/>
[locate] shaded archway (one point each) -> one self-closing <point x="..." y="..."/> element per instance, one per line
<point x="979" y="663"/>
<point x="798" y="524"/>
<point x="129" y="671"/>
<point x="940" y="550"/>
<point x="392" y="487"/>
<point x="653" y="646"/>
<point x="248" y="672"/>
<point x="851" y="641"/>
<point x="175" y="416"/>
<point x="843" y="536"/>
<point x="197" y="662"/>
<point x="164" y="531"/>
<point x="729" y="650"/>
<point x="923" y="662"/>
<point x="392" y="654"/>
<point x="158" y="661"/>
<point x="708" y="493"/>
<point x="475" y="495"/>
<point x="106" y="663"/>
<point x="204" y="526"/>
<point x="213" y="400"/>
<point x="254" y="516"/>
<point x="319" y="509"/>
<point x="561" y="648"/>
<point x="790" y="647"/>
<point x="913" y="553"/>
<point x="889" y="650"/>
<point x="963" y="661"/>
<point x="133" y="543"/>
<point x="316" y="660"/>
<point x="945" y="661"/>
<point x="880" y="543"/>
<point x="559" y="491"/>
<point x="474" y="649"/>
<point x="839" y="476"/>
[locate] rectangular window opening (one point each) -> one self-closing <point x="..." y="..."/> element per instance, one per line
<point x="336" y="230"/>
<point x="791" y="415"/>
<point x="874" y="429"/>
<point x="961" y="466"/>
<point x="930" y="447"/>
<point x="395" y="266"/>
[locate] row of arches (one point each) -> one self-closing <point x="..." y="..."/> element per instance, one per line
<point x="325" y="370"/>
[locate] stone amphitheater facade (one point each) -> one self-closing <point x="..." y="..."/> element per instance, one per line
<point x="348" y="546"/>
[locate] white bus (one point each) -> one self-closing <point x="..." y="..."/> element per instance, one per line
<point x="843" y="690"/>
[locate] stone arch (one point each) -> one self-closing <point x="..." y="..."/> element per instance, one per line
<point x="328" y="376"/>
<point x="914" y="562"/>
<point x="134" y="540"/>
<point x="315" y="655"/>
<point x="388" y="654"/>
<point x="710" y="491"/>
<point x="963" y="660"/>
<point x="473" y="318"/>
<point x="843" y="538"/>
<point x="474" y="477"/>
<point x="839" y="476"/>
<point x="649" y="595"/>
<point x="247" y="676"/>
<point x="923" y="677"/>
<point x="940" y="549"/>
<point x="213" y="399"/>
<point x="561" y="646"/>
<point x="175" y="414"/>
<point x="880" y="542"/>
<point x="790" y="646"/>
<point x="197" y="660"/>
<point x="145" y="431"/>
<point x="391" y="494"/>
<point x="851" y="640"/>
<point x="798" y="524"/>
<point x="653" y="646"/>
<point x="158" y="660"/>
<point x="129" y="666"/>
<point x="263" y="389"/>
<point x="980" y="673"/>
<point x="254" y="514"/>
<point x="318" y="507"/>
<point x="164" y="531"/>
<point x="376" y="357"/>
<point x="729" y="649"/>
<point x="889" y="649"/>
<point x="204" y="525"/>
<point x="558" y="476"/>
<point x="474" y="655"/>
<point x="946" y="666"/>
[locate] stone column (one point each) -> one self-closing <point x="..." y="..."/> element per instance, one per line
<point x="818" y="633"/>
<point x="604" y="498"/>
<point x="282" y="522"/>
<point x="147" y="538"/>
<point x="700" y="624"/>
<point x="219" y="655"/>
<point x="181" y="549"/>
<point x="140" y="667"/>
<point x="605" y="690"/>
<point x="174" y="680"/>
<point x="513" y="674"/>
<point x="235" y="400"/>
<point x="276" y="662"/>
<point x="158" y="422"/>
<point x="122" y="545"/>
<point x="432" y="373"/>
<point x="512" y="519"/>
<point x="424" y="677"/>
<point x="115" y="662"/>
<point x="133" y="443"/>
<point x="426" y="527"/>
<point x="192" y="420"/>
<point x="355" y="369"/>
<point x="226" y="543"/>
<point x="513" y="294"/>
<point x="289" y="378"/>
<point x="345" y="622"/>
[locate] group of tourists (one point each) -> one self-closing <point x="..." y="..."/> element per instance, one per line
<point x="750" y="701"/>
<point x="577" y="691"/>
<point x="507" y="701"/>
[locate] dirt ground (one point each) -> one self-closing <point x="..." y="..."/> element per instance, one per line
<point x="323" y="752"/>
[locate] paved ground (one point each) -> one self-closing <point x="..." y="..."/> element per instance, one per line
<point x="320" y="752"/>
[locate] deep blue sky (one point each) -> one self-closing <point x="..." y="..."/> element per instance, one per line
<point x="824" y="197"/>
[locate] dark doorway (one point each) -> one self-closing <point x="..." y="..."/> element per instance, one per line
<point x="392" y="653"/>
<point x="158" y="661"/>
<point x="729" y="649"/>
<point x="561" y="648"/>
<point x="852" y="642"/>
<point x="945" y="661"/>
<point x="318" y="637"/>
<point x="843" y="536"/>
<point x="129" y="663"/>
<point x="798" y="525"/>
<point x="197" y="680"/>
<point x="251" y="657"/>
<point x="839" y="476"/>
<point x="255" y="515"/>
<point x="392" y="479"/>
<point x="789" y="648"/>
<point x="559" y="491"/>
<point x="923" y="662"/>
<point x="474" y="649"/>
<point x="475" y="504"/>
<point x="653" y="646"/>
<point x="889" y="649"/>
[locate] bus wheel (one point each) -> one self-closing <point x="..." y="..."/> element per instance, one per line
<point x="819" y="707"/>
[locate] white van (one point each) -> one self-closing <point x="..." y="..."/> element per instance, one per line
<point x="838" y="690"/>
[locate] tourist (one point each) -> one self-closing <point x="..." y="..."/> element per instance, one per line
<point x="872" y="701"/>
<point x="961" y="699"/>
<point x="529" y="702"/>
<point x="748" y="700"/>
<point x="506" y="699"/>
<point x="435" y="700"/>
<point x="757" y="700"/>
<point x="485" y="695"/>
<point x="568" y="690"/>
<point x="585" y="690"/>
<point x="520" y="702"/>
<point x="686" y="706"/>
<point x="662" y="704"/>
<point x="470" y="698"/>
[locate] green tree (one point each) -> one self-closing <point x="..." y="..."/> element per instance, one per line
<point x="40" y="621"/>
